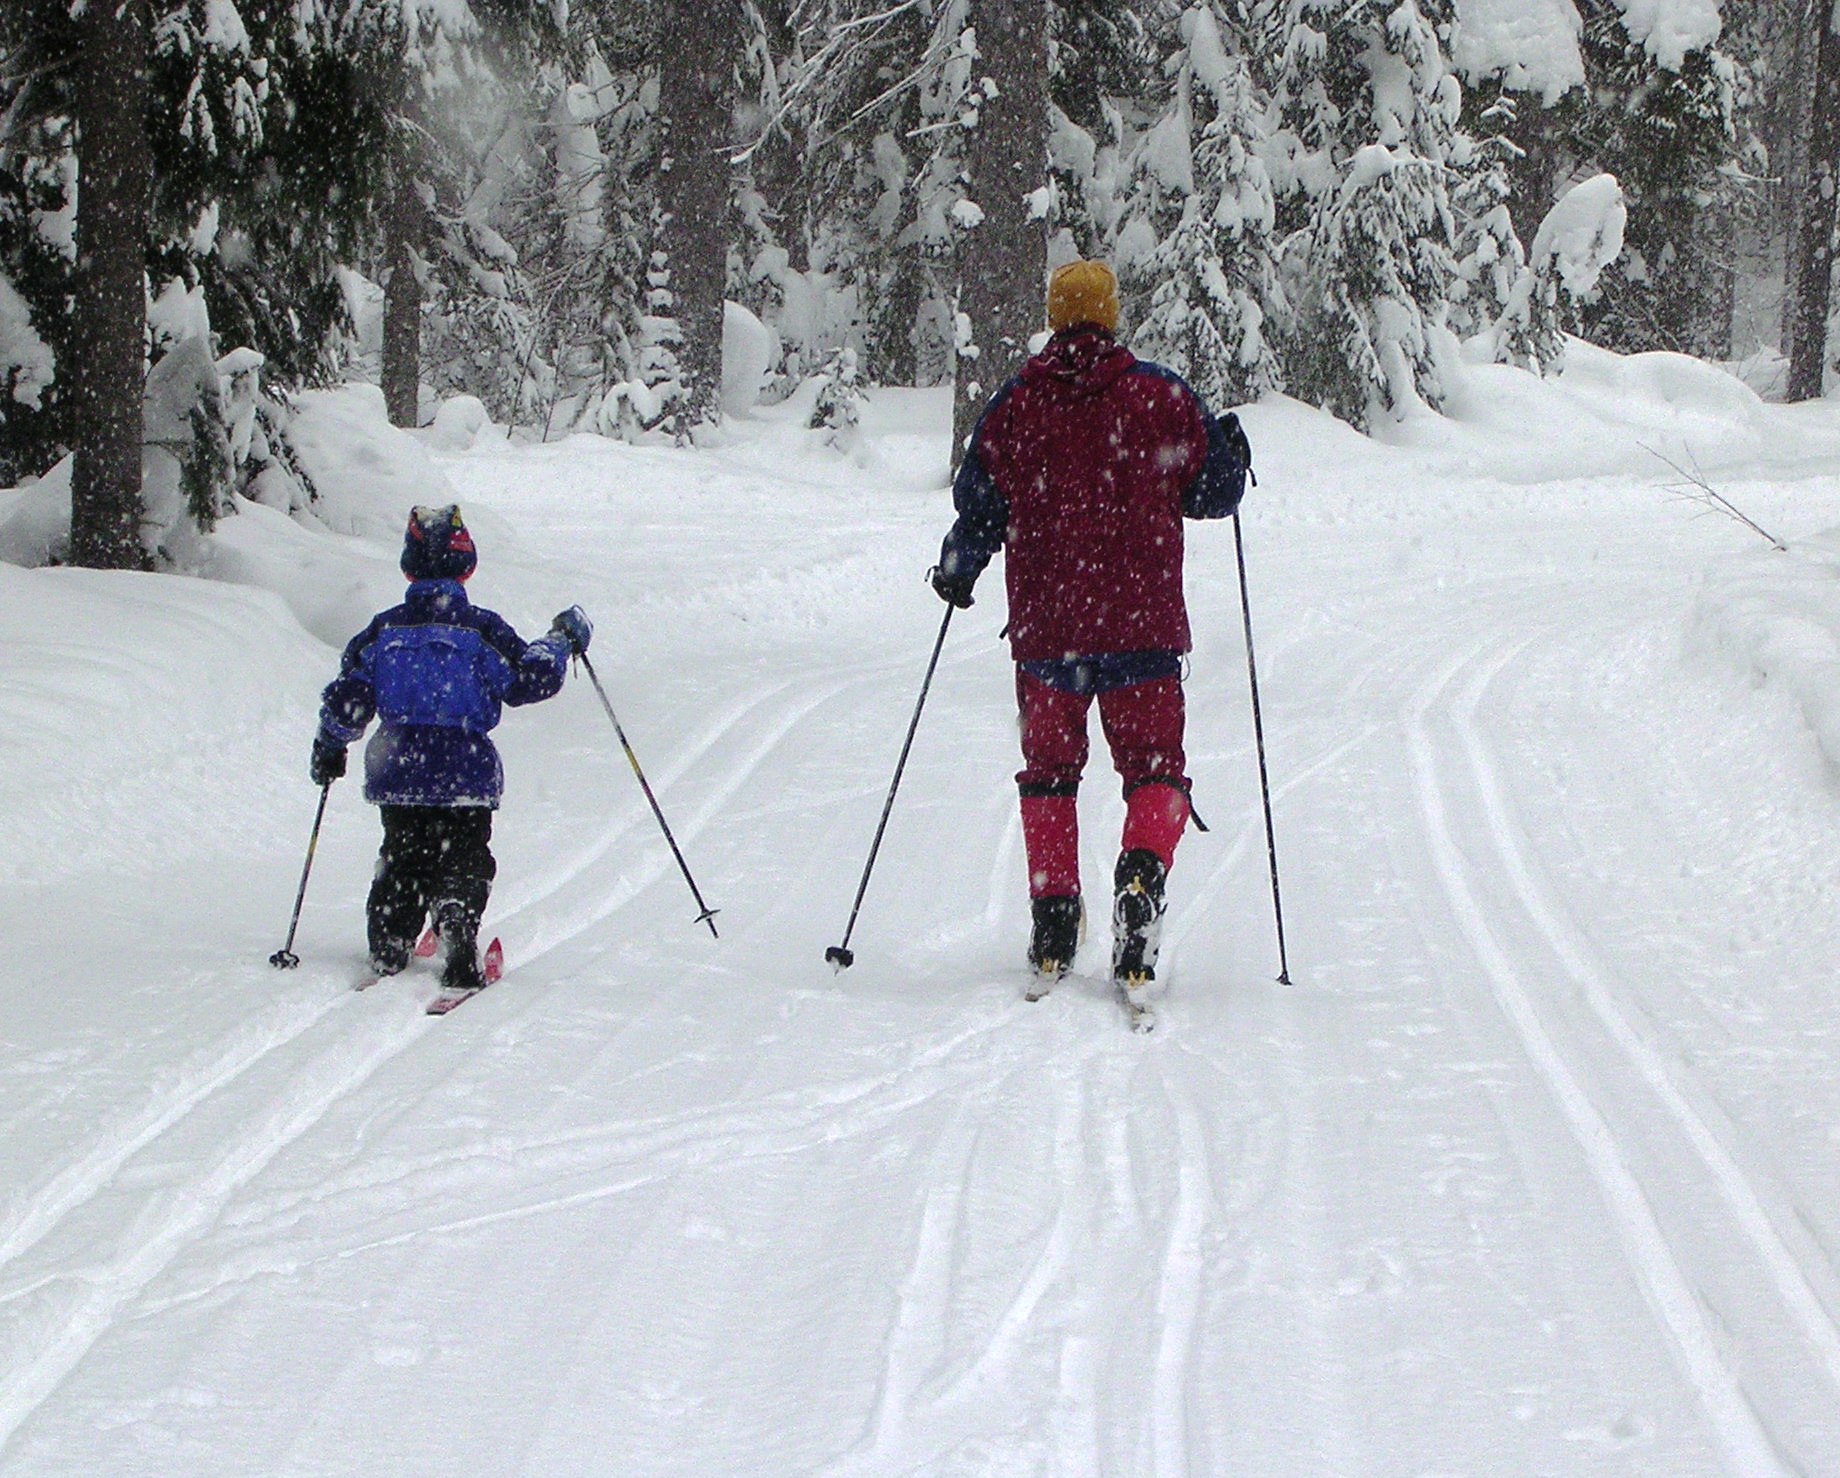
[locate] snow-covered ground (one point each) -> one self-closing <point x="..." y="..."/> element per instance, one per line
<point x="1534" y="1167"/>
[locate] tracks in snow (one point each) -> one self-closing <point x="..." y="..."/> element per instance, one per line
<point x="85" y="1247"/>
<point x="1516" y="931"/>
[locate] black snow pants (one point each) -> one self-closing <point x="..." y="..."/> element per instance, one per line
<point x="435" y="860"/>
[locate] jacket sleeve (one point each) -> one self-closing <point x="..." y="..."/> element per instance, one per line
<point x="350" y="699"/>
<point x="983" y="511"/>
<point x="1221" y="483"/>
<point x="534" y="670"/>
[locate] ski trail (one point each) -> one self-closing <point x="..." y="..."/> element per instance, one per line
<point x="1734" y="1422"/>
<point x="1199" y="900"/>
<point x="171" y="1222"/>
<point x="548" y="935"/>
<point x="775" y="1122"/>
<point x="1785" y="1270"/>
<point x="534" y="890"/>
<point x="1179" y="1287"/>
<point x="921" y="1305"/>
<point x="1053" y="1259"/>
<point x="82" y="1180"/>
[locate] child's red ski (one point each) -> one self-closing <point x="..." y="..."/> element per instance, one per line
<point x="492" y="966"/>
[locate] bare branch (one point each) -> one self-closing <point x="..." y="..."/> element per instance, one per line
<point x="1696" y="489"/>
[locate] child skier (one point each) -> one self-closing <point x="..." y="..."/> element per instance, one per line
<point x="1084" y="465"/>
<point x="435" y="670"/>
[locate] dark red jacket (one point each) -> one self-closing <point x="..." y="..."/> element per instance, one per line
<point x="1084" y="466"/>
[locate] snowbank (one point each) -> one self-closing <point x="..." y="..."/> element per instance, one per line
<point x="125" y="697"/>
<point x="1776" y="618"/>
<point x="1613" y="415"/>
<point x="333" y="566"/>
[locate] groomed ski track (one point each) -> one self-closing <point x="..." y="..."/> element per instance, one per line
<point x="1532" y="1170"/>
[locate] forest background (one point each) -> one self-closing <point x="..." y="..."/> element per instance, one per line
<point x="564" y="210"/>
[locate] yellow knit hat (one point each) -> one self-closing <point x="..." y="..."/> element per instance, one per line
<point x="1083" y="292"/>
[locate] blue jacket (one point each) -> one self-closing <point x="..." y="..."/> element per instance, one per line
<point x="434" y="670"/>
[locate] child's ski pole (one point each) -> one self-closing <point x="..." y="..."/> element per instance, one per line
<point x="285" y="958"/>
<point x="708" y="914"/>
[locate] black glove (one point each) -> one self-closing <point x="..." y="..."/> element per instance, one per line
<point x="575" y="626"/>
<point x="954" y="590"/>
<point x="328" y="761"/>
<point x="1236" y="439"/>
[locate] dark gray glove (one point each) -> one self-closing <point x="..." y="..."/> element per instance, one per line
<point x="328" y="761"/>
<point x="954" y="590"/>
<point x="1236" y="439"/>
<point x="575" y="627"/>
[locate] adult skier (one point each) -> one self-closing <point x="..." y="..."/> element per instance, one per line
<point x="1084" y="465"/>
<point x="435" y="671"/>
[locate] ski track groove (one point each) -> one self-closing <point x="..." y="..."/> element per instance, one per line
<point x="921" y="1304"/>
<point x="81" y="1181"/>
<point x="1052" y="1260"/>
<point x="1567" y="942"/>
<point x="1179" y="1287"/>
<point x="1736" y="1426"/>
<point x="171" y="1221"/>
<point x="794" y="1110"/>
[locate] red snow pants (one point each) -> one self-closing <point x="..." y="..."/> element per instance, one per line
<point x="1143" y="727"/>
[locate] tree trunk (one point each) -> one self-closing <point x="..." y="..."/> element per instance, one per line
<point x="109" y="318"/>
<point x="404" y="230"/>
<point x="696" y="89"/>
<point x="1815" y="254"/>
<point x="1003" y="260"/>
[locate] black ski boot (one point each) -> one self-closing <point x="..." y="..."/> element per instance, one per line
<point x="1137" y="921"/>
<point x="1054" y="941"/>
<point x="458" y="924"/>
<point x="390" y="958"/>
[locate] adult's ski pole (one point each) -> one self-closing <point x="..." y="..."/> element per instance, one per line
<point x="839" y="955"/>
<point x="708" y="914"/>
<point x="1258" y="734"/>
<point x="285" y="958"/>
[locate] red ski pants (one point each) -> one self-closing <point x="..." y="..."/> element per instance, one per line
<point x="1143" y="727"/>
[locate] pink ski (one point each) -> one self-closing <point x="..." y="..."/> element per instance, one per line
<point x="492" y="965"/>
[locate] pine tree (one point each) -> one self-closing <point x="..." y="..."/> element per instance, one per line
<point x="1002" y="258"/>
<point x="1815" y="264"/>
<point x="1202" y="294"/>
<point x="1576" y="243"/>
<point x="1489" y="255"/>
<point x="1660" y="117"/>
<point x="148" y="105"/>
<point x="1361" y="160"/>
<point x="688" y="276"/>
<point x="1100" y="63"/>
<point x="115" y="168"/>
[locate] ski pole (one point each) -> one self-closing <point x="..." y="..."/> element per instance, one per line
<point x="708" y="914"/>
<point x="839" y="956"/>
<point x="1258" y="734"/>
<point x="285" y="958"/>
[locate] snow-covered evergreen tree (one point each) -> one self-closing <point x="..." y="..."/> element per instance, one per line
<point x="1489" y="255"/>
<point x="1661" y="118"/>
<point x="1577" y="242"/>
<point x="1201" y="294"/>
<point x="1364" y="342"/>
<point x="1101" y="63"/>
<point x="1361" y="160"/>
<point x="154" y="107"/>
